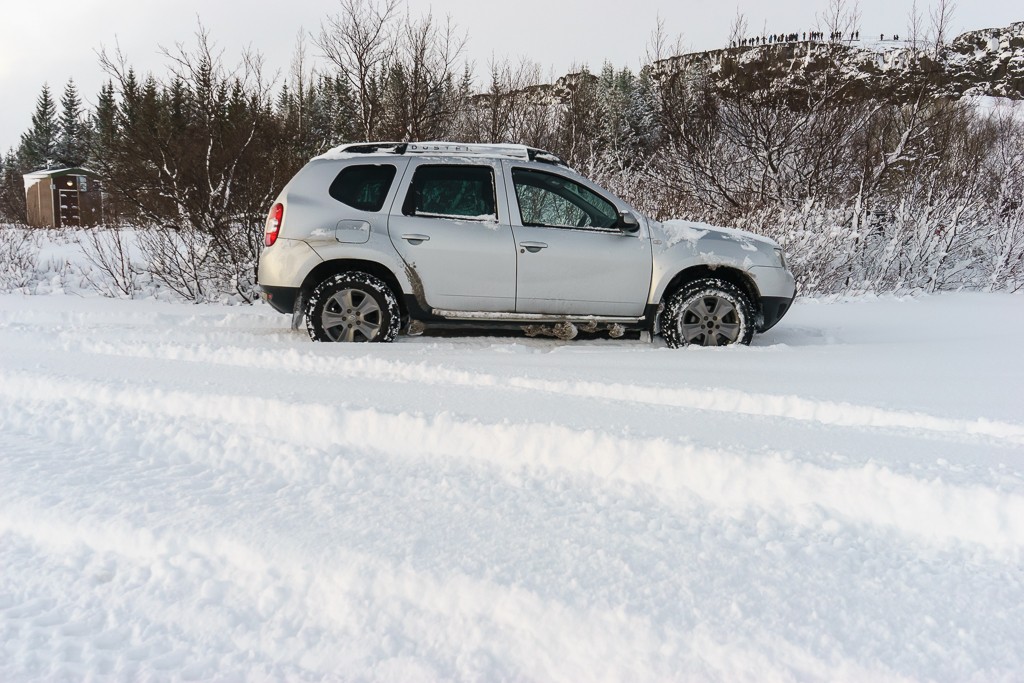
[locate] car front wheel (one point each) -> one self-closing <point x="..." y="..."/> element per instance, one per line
<point x="352" y="307"/>
<point x="707" y="312"/>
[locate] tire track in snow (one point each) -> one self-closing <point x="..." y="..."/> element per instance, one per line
<point x="337" y="600"/>
<point x="870" y="494"/>
<point x="840" y="414"/>
<point x="361" y="608"/>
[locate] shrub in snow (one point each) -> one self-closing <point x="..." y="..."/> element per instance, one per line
<point x="113" y="254"/>
<point x="19" y="257"/>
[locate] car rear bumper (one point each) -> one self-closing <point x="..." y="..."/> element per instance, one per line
<point x="281" y="299"/>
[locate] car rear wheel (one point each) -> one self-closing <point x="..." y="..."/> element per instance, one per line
<point x="707" y="312"/>
<point x="352" y="307"/>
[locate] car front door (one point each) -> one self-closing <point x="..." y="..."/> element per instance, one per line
<point x="452" y="229"/>
<point x="571" y="257"/>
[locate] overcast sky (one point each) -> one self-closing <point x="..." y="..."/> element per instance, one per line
<point x="57" y="40"/>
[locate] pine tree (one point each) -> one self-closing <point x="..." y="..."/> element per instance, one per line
<point x="12" y="189"/>
<point x="610" y="109"/>
<point x="39" y="144"/>
<point x="178" y="104"/>
<point x="73" y="131"/>
<point x="577" y="122"/>
<point x="341" y="111"/>
<point x="104" y="125"/>
<point x="641" y="114"/>
<point x="128" y="111"/>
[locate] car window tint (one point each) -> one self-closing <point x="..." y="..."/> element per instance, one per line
<point x="364" y="187"/>
<point x="452" y="191"/>
<point x="547" y="199"/>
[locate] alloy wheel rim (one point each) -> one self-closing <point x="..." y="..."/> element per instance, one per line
<point x="351" y="315"/>
<point x="710" y="321"/>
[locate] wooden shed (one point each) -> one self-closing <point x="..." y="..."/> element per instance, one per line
<point x="63" y="197"/>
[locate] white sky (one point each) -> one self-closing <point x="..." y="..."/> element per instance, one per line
<point x="58" y="39"/>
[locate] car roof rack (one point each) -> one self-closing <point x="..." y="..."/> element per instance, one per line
<point x="451" y="148"/>
<point x="486" y="150"/>
<point x="369" y="148"/>
<point x="544" y="156"/>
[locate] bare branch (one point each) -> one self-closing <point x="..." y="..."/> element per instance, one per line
<point x="359" y="41"/>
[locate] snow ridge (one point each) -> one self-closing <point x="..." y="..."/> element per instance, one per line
<point x="729" y="401"/>
<point x="870" y="493"/>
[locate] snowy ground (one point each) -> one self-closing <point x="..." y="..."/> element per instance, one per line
<point x="199" y="493"/>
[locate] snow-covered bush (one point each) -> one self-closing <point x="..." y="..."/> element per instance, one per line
<point x="116" y="266"/>
<point x="34" y="260"/>
<point x="197" y="267"/>
<point x="913" y="249"/>
<point x="120" y="262"/>
<point x="19" y="256"/>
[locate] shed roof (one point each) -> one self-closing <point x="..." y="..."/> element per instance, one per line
<point x="51" y="172"/>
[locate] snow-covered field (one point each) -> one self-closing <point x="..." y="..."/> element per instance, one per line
<point x="199" y="493"/>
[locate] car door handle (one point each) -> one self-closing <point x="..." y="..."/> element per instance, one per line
<point x="416" y="239"/>
<point x="533" y="247"/>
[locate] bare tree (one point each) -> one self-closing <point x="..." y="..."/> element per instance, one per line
<point x="662" y="46"/>
<point x="513" y="108"/>
<point x="420" y="91"/>
<point x="1004" y="240"/>
<point x="738" y="28"/>
<point x="109" y="251"/>
<point x="300" y="79"/>
<point x="188" y="155"/>
<point x="359" y="41"/>
<point x="842" y="18"/>
<point x="941" y="22"/>
<point x="182" y="260"/>
<point x="915" y="27"/>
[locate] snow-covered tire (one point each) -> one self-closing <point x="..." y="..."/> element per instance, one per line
<point x="353" y="306"/>
<point x="707" y="312"/>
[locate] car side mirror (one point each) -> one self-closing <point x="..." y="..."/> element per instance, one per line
<point x="627" y="222"/>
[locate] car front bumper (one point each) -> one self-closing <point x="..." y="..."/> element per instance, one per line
<point x="777" y="289"/>
<point x="772" y="310"/>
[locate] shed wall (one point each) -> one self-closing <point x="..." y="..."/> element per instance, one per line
<point x="39" y="204"/>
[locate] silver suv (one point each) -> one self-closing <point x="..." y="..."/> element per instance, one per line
<point x="370" y="240"/>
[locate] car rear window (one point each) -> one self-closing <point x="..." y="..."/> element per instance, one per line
<point x="452" y="192"/>
<point x="364" y="186"/>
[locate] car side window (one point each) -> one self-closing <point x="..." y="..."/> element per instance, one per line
<point x="452" y="192"/>
<point x="363" y="186"/>
<point x="550" y="200"/>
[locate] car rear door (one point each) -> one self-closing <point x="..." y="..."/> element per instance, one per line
<point x="452" y="228"/>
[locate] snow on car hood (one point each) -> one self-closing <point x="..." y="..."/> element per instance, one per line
<point x="675" y="231"/>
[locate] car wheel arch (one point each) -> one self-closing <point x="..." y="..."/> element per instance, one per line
<point x="337" y="266"/>
<point x="728" y="274"/>
<point x="734" y="276"/>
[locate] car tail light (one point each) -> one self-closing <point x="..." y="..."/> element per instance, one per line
<point x="273" y="224"/>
